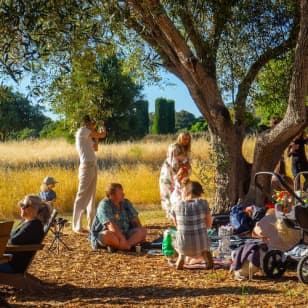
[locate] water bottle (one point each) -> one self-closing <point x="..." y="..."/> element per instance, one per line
<point x="224" y="247"/>
<point x="167" y="247"/>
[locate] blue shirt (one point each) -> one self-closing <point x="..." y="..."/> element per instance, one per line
<point x="48" y="195"/>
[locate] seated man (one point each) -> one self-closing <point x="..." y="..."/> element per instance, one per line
<point x="116" y="223"/>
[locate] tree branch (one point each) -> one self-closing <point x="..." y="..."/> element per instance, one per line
<point x="268" y="55"/>
<point x="202" y="47"/>
<point x="254" y="69"/>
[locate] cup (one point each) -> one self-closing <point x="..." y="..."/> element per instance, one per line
<point x="138" y="249"/>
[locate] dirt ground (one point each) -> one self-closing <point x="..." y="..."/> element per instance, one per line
<point x="86" y="278"/>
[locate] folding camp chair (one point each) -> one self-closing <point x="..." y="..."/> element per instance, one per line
<point x="5" y="231"/>
<point x="25" y="280"/>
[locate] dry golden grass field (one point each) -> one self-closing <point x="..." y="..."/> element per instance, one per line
<point x="23" y="166"/>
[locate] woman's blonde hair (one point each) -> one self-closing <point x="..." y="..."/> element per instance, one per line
<point x="179" y="141"/>
<point x="44" y="187"/>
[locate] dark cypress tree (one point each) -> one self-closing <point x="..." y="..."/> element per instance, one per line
<point x="171" y="116"/>
<point x="142" y="118"/>
<point x="160" y="118"/>
<point x="164" y="118"/>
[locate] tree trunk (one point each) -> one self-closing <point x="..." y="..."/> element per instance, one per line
<point x="232" y="172"/>
<point x="271" y="144"/>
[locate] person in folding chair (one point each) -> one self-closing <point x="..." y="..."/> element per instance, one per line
<point x="34" y="215"/>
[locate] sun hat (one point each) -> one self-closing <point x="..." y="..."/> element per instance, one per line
<point x="49" y="180"/>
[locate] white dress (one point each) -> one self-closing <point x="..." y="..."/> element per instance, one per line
<point x="175" y="159"/>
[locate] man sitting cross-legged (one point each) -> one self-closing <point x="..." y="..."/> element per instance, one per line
<point x="116" y="224"/>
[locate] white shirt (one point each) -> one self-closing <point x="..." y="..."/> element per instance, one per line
<point x="84" y="145"/>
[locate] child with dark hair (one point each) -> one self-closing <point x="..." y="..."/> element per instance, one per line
<point x="192" y="217"/>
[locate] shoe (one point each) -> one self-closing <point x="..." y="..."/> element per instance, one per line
<point x="111" y="249"/>
<point x="179" y="265"/>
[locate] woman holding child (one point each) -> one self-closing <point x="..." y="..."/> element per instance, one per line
<point x="178" y="161"/>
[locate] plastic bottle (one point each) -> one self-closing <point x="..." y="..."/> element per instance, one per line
<point x="224" y="248"/>
<point x="167" y="247"/>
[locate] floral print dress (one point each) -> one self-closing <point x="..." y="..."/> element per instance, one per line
<point x="176" y="158"/>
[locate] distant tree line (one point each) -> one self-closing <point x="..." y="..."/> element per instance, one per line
<point x="107" y="93"/>
<point x="20" y="120"/>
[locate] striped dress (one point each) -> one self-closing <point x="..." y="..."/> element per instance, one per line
<point x="191" y="236"/>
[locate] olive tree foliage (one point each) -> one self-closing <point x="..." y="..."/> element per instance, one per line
<point x="217" y="48"/>
<point x="271" y="95"/>
<point x="97" y="86"/>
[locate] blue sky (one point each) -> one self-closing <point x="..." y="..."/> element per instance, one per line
<point x="170" y="88"/>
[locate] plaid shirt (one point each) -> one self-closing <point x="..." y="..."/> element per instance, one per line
<point x="191" y="237"/>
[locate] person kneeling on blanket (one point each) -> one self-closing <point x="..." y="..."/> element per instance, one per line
<point x="192" y="217"/>
<point x="116" y="224"/>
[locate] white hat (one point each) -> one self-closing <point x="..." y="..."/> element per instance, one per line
<point x="49" y="180"/>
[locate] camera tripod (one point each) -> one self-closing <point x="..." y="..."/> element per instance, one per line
<point x="57" y="231"/>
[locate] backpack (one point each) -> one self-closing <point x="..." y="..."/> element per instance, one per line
<point x="240" y="220"/>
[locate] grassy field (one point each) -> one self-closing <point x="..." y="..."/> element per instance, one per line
<point x="23" y="166"/>
<point x="136" y="165"/>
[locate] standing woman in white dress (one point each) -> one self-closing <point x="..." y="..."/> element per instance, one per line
<point x="178" y="156"/>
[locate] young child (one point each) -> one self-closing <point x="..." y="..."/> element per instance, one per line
<point x="192" y="217"/>
<point x="47" y="194"/>
<point x="181" y="179"/>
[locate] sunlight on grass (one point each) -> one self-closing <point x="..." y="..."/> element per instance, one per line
<point x="151" y="214"/>
<point x="140" y="185"/>
<point x="136" y="165"/>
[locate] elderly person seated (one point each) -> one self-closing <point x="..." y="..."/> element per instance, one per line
<point x="116" y="224"/>
<point x="30" y="230"/>
<point x="275" y="233"/>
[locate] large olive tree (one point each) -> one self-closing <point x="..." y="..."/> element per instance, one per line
<point x="217" y="48"/>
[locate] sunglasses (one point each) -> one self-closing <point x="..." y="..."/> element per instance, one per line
<point x="24" y="204"/>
